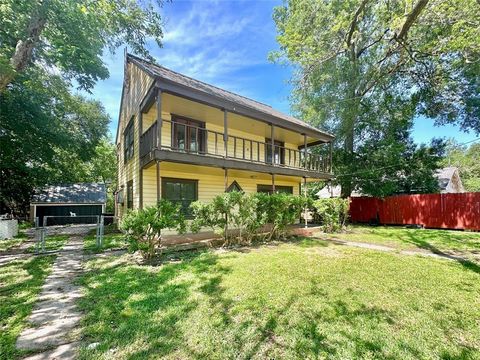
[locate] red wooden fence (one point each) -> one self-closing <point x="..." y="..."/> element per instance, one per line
<point x="447" y="211"/>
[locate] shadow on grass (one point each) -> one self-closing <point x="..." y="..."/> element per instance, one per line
<point x="126" y="303"/>
<point x="20" y="284"/>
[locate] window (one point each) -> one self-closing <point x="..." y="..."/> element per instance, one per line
<point x="234" y="186"/>
<point x="180" y="191"/>
<point x="188" y="135"/>
<point x="278" y="189"/>
<point x="279" y="151"/>
<point x="128" y="138"/>
<point x="130" y="194"/>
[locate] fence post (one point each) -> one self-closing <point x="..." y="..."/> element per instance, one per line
<point x="37" y="235"/>
<point x="102" y="229"/>
<point x="42" y="231"/>
<point x="97" y="232"/>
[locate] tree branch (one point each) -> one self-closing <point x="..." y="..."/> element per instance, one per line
<point x="24" y="48"/>
<point x="411" y="17"/>
<point x="354" y="22"/>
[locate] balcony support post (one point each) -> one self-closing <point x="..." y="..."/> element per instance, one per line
<point x="159" y="193"/>
<point x="305" y="210"/>
<point x="272" y="139"/>
<point x="226" y="178"/>
<point x="305" y="151"/>
<point x="140" y="177"/>
<point x="159" y="119"/>
<point x="273" y="183"/>
<point x="225" y="132"/>
<point x="330" y="165"/>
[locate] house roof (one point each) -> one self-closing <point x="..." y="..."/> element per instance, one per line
<point x="83" y="193"/>
<point x="444" y="176"/>
<point x="177" y="78"/>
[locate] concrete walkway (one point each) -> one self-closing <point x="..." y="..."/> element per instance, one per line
<point x="55" y="313"/>
<point x="377" y="247"/>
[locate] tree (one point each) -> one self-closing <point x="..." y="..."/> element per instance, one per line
<point x="47" y="135"/>
<point x="467" y="159"/>
<point x="70" y="36"/>
<point x="362" y="63"/>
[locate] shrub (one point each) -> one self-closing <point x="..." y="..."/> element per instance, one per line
<point x="233" y="210"/>
<point x="248" y="214"/>
<point x="143" y="228"/>
<point x="331" y="213"/>
<point x="281" y="210"/>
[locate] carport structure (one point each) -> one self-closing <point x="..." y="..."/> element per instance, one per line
<point x="69" y="201"/>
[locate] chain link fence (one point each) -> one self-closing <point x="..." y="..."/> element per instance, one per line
<point x="52" y="232"/>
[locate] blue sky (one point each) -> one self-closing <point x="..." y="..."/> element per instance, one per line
<point x="226" y="43"/>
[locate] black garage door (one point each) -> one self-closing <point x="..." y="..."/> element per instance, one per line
<point x="85" y="214"/>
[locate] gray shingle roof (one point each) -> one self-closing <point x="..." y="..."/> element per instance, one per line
<point x="198" y="85"/>
<point x="83" y="193"/>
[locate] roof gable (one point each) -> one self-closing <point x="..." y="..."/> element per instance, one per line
<point x="161" y="72"/>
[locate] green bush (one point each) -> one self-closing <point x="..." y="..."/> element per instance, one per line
<point x="143" y="228"/>
<point x="280" y="210"/>
<point x="248" y="213"/>
<point x="331" y="213"/>
<point x="233" y="210"/>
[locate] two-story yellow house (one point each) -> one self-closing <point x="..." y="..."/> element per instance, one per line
<point x="184" y="140"/>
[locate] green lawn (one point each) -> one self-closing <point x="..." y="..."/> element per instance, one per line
<point x="20" y="284"/>
<point x="110" y="241"/>
<point x="7" y="244"/>
<point x="447" y="241"/>
<point x="52" y="243"/>
<point x="305" y="300"/>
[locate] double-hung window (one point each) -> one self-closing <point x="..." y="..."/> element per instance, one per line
<point x="130" y="194"/>
<point x="188" y="135"/>
<point x="128" y="139"/>
<point x="181" y="192"/>
<point x="278" y="152"/>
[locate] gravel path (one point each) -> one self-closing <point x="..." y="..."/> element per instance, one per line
<point x="55" y="313"/>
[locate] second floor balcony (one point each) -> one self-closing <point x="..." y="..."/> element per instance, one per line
<point x="193" y="142"/>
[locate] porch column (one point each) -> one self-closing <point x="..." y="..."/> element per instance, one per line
<point x="159" y="119"/>
<point x="330" y="167"/>
<point x="140" y="132"/>
<point x="305" y="151"/>
<point x="140" y="189"/>
<point x="159" y="193"/>
<point x="305" y="213"/>
<point x="225" y="132"/>
<point x="272" y="140"/>
<point x="273" y="183"/>
<point x="226" y="178"/>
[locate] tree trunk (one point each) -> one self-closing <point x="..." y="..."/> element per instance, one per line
<point x="24" y="49"/>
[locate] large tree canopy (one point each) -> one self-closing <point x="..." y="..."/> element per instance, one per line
<point x="70" y="36"/>
<point x="365" y="69"/>
<point x="47" y="133"/>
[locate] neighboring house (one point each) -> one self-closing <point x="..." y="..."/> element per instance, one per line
<point x="79" y="200"/>
<point x="330" y="191"/>
<point x="449" y="180"/>
<point x="184" y="140"/>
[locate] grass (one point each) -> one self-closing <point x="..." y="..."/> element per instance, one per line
<point x="20" y="285"/>
<point x="438" y="241"/>
<point x="7" y="244"/>
<point x="52" y="243"/>
<point x="110" y="241"/>
<point x="305" y="300"/>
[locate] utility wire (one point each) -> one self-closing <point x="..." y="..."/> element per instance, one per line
<point x="390" y="166"/>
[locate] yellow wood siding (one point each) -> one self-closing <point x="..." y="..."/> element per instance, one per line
<point x="211" y="181"/>
<point x="137" y="85"/>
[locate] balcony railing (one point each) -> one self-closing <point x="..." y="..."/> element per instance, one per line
<point x="197" y="140"/>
